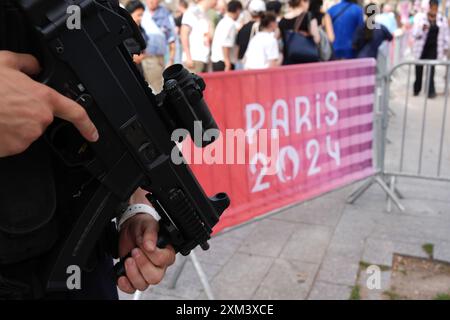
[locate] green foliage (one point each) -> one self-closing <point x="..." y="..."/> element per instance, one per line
<point x="356" y="294"/>
<point x="442" y="296"/>
<point x="429" y="249"/>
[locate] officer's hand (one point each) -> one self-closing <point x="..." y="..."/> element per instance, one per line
<point x="27" y="107"/>
<point x="148" y="263"/>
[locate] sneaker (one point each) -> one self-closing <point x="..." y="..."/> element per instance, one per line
<point x="416" y="94"/>
<point x="432" y="95"/>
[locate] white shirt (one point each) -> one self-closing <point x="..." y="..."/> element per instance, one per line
<point x="196" y="19"/>
<point x="156" y="39"/>
<point x="224" y="36"/>
<point x="262" y="48"/>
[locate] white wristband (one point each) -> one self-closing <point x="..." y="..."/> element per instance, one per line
<point x="135" y="209"/>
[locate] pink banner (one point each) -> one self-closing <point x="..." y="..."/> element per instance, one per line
<point x="324" y="116"/>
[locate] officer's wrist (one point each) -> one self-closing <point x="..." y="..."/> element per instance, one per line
<point x="136" y="209"/>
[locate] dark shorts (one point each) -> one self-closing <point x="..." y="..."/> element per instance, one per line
<point x="220" y="66"/>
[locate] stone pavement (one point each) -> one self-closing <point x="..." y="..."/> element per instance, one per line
<point x="314" y="250"/>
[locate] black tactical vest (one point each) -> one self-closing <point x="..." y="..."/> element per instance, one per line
<point x="27" y="182"/>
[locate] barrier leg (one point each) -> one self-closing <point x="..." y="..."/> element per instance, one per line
<point x="392" y="187"/>
<point x="176" y="276"/>
<point x="359" y="191"/>
<point x="202" y="276"/>
<point x="389" y="193"/>
<point x="392" y="112"/>
<point x="398" y="193"/>
<point x="200" y="272"/>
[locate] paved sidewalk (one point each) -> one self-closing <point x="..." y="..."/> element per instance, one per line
<point x="314" y="250"/>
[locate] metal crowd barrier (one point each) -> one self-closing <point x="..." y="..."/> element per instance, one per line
<point x="397" y="48"/>
<point x="418" y="141"/>
<point x="392" y="53"/>
<point x="386" y="174"/>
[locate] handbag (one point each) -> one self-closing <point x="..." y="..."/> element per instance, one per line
<point x="300" y="48"/>
<point x="325" y="47"/>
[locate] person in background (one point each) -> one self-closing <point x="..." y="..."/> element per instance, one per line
<point x="196" y="31"/>
<point x="399" y="21"/>
<point x="431" y="41"/>
<point x="346" y="16"/>
<point x="159" y="26"/>
<point x="223" y="55"/>
<point x="181" y="9"/>
<point x="263" y="51"/>
<point x="308" y="26"/>
<point x="275" y="8"/>
<point x="248" y="30"/>
<point x="387" y="18"/>
<point x="218" y="12"/>
<point x="369" y="37"/>
<point x="323" y="19"/>
<point x="136" y="10"/>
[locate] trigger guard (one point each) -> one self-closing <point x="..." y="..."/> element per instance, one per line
<point x="68" y="144"/>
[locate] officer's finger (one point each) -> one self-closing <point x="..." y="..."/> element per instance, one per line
<point x="134" y="276"/>
<point x="125" y="285"/>
<point x="21" y="62"/>
<point x="71" y="111"/>
<point x="150" y="237"/>
<point x="162" y="257"/>
<point x="151" y="273"/>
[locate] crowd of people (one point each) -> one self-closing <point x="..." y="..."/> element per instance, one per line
<point x="226" y="35"/>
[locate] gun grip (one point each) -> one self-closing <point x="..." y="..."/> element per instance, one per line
<point x="119" y="267"/>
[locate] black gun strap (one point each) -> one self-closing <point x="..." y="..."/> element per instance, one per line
<point x="83" y="237"/>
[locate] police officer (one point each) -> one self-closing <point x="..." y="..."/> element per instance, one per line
<point x="39" y="195"/>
